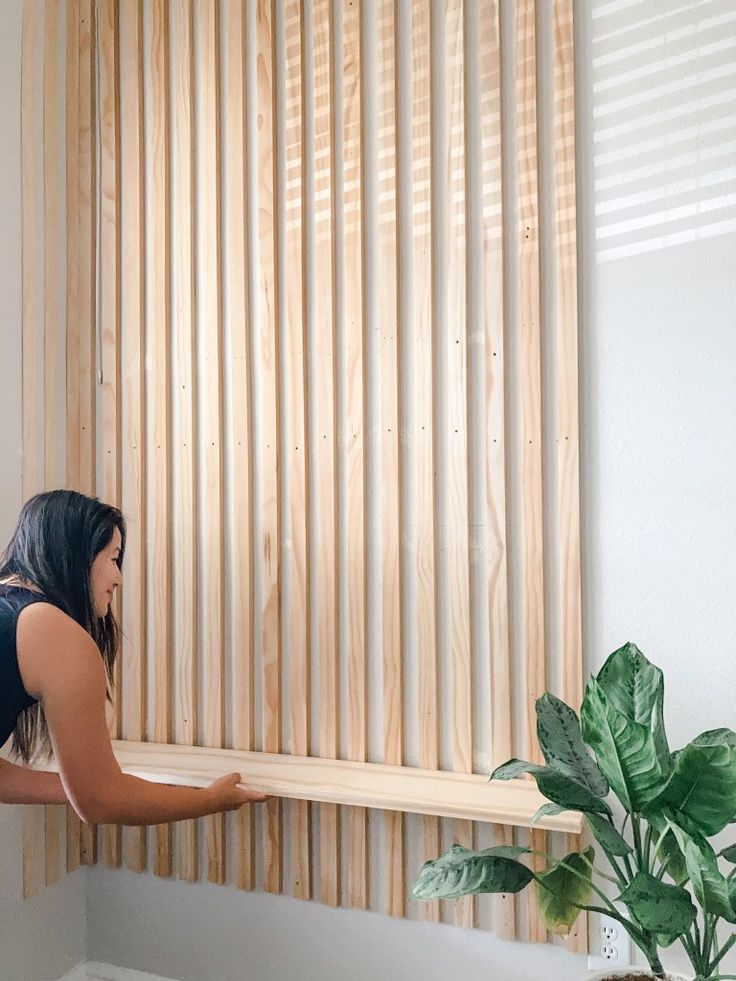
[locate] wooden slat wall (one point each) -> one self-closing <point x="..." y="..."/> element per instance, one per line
<point x="304" y="252"/>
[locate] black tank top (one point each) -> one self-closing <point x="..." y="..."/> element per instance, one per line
<point x="14" y="699"/>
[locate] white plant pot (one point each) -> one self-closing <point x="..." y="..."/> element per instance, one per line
<point x="632" y="970"/>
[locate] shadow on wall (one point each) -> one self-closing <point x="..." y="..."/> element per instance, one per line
<point x="664" y="124"/>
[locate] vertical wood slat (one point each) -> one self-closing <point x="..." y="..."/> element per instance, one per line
<point x="353" y="443"/>
<point x="531" y="489"/>
<point x="266" y="453"/>
<point x="420" y="327"/>
<point x="247" y="874"/>
<point x="450" y="489"/>
<point x="438" y="301"/>
<point x="209" y="344"/>
<point x="298" y="218"/>
<point x="32" y="95"/>
<point x="133" y="463"/>
<point x="403" y="52"/>
<point x="566" y="344"/>
<point x="158" y="329"/>
<point x="459" y="472"/>
<point x="240" y="323"/>
<point x="504" y="913"/>
<point x="53" y="210"/>
<point x="109" y="311"/>
<point x="73" y="336"/>
<point x="54" y="464"/>
<point x="322" y="280"/>
<point x="72" y="238"/>
<point x="87" y="211"/>
<point x="288" y="174"/>
<point x="386" y="285"/>
<point x="186" y="545"/>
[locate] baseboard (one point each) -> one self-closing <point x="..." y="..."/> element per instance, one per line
<point x="95" y="971"/>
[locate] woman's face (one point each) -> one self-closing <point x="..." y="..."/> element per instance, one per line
<point x="105" y="576"/>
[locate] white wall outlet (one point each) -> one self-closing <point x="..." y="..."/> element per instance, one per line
<point x="610" y="945"/>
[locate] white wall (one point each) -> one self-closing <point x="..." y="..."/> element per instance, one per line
<point x="43" y="938"/>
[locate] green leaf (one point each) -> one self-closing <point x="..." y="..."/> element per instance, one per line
<point x="710" y="886"/>
<point x="625" y="749"/>
<point x="729" y="854"/>
<point x="657" y="906"/>
<point x="562" y="892"/>
<point x="561" y="741"/>
<point x="703" y="784"/>
<point x="545" y="811"/>
<point x="557" y="787"/>
<point x="607" y="836"/>
<point x="715" y="737"/>
<point x="462" y="872"/>
<point x="635" y="688"/>
<point x="632" y="683"/>
<point x="668" y="849"/>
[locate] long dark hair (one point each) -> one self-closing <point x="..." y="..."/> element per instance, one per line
<point x="58" y="535"/>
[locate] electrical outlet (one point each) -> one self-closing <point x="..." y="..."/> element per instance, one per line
<point x="610" y="946"/>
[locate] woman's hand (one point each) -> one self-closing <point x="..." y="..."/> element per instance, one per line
<point x="228" y="796"/>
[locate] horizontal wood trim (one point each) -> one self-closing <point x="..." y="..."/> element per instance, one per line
<point x="467" y="796"/>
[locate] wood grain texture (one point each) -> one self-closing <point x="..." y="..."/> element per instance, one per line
<point x="465" y="796"/>
<point x="133" y="465"/>
<point x="266" y="547"/>
<point x="530" y="383"/>
<point x="158" y="333"/>
<point x="428" y="719"/>
<point x="389" y="327"/>
<point x="108" y="285"/>
<point x="186" y="702"/>
<point x="238" y="507"/>
<point x="209" y="349"/>
<point x="566" y="345"/>
<point x="353" y="447"/>
<point x="323" y="587"/>
<point x="295" y="315"/>
<point x="32" y="255"/>
<point x="492" y="326"/>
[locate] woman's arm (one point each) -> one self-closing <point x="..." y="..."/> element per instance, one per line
<point x="20" y="785"/>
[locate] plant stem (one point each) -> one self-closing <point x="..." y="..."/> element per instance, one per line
<point x="636" y="828"/>
<point x="622" y="881"/>
<point x="648" y="848"/>
<point x="663" y="867"/>
<point x="723" y="951"/>
<point x="708" y="936"/>
<point x="629" y="870"/>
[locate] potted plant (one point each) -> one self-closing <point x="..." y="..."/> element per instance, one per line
<point x="670" y="883"/>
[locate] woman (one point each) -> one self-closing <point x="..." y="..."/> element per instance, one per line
<point x="58" y="643"/>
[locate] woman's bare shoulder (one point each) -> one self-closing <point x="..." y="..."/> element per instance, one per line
<point x="48" y="640"/>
